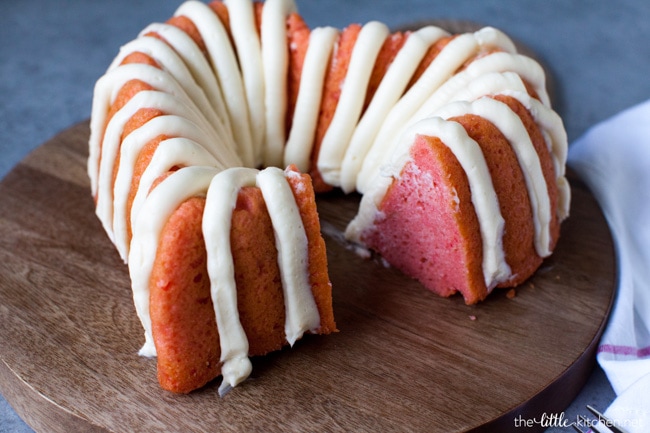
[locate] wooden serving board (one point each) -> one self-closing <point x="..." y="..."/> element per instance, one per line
<point x="404" y="359"/>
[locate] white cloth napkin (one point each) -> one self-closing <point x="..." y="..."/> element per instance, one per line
<point x="613" y="159"/>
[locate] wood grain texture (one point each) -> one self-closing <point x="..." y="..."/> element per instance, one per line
<point x="404" y="359"/>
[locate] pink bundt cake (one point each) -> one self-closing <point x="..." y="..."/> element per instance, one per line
<point x="211" y="134"/>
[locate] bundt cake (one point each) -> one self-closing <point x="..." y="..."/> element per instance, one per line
<point x="212" y="133"/>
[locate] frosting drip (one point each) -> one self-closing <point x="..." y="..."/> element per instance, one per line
<point x="513" y="129"/>
<point x="291" y="240"/>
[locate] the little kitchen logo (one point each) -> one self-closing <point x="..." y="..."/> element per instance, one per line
<point x="559" y="420"/>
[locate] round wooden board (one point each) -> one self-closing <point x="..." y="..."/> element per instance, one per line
<point x="404" y="359"/>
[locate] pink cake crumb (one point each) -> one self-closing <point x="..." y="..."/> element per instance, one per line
<point x="427" y="218"/>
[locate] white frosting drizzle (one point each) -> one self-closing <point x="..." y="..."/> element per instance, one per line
<point x="414" y="105"/>
<point x="249" y="53"/>
<point x="564" y="197"/>
<point x="217" y="219"/>
<point x="159" y="206"/>
<point x="495" y="62"/>
<point x="513" y="129"/>
<point x="291" y="241"/>
<point x="226" y="69"/>
<point x="198" y="65"/>
<point x="169" y="125"/>
<point x="104" y="94"/>
<point x="305" y="118"/>
<point x="452" y="56"/>
<point x="550" y="124"/>
<point x="548" y="121"/>
<point x="179" y="151"/>
<point x="111" y="144"/>
<point x="527" y="69"/>
<point x="491" y="37"/>
<point x="293" y="254"/>
<point x="275" y="59"/>
<point x="388" y="93"/>
<point x="353" y="93"/>
<point x="484" y="198"/>
<point x="171" y="63"/>
<point x="490" y="83"/>
<point x="555" y="136"/>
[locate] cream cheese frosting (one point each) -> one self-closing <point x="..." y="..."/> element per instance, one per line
<point x="275" y="60"/>
<point x="249" y="54"/>
<point x="411" y="110"/>
<point x="511" y="126"/>
<point x="388" y="93"/>
<point x="193" y="153"/>
<point x="353" y="93"/>
<point x="291" y="241"/>
<point x="301" y="136"/>
<point x="111" y="144"/>
<point x="198" y="65"/>
<point x="225" y="66"/>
